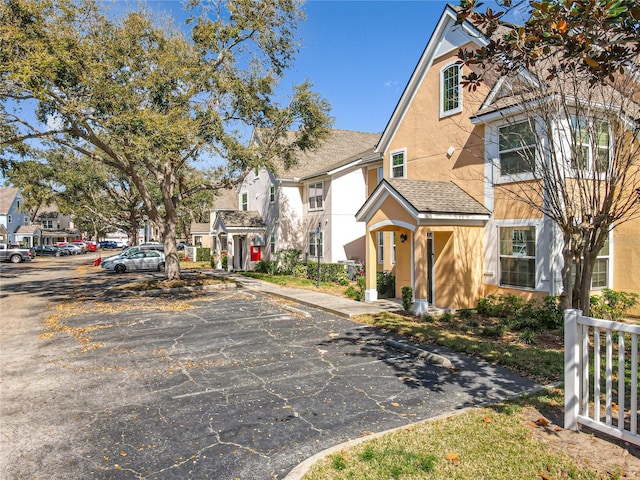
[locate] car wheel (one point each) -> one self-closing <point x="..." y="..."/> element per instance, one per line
<point x="120" y="268"/>
<point x="16" y="259"/>
<point x="161" y="267"/>
<point x="57" y="254"/>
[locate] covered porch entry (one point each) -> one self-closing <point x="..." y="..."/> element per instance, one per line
<point x="240" y="236"/>
<point x="439" y="234"/>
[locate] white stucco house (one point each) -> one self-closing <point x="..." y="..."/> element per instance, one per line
<point x="309" y="207"/>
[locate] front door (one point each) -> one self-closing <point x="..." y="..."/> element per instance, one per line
<point x="241" y="242"/>
<point x="430" y="268"/>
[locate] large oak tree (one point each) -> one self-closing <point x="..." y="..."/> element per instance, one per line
<point x="135" y="93"/>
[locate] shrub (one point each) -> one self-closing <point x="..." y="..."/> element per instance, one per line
<point x="300" y="270"/>
<point x="329" y="272"/>
<point x="203" y="254"/>
<point x="407" y="298"/>
<point x="356" y="292"/>
<point x="493" y="331"/>
<point x="465" y="313"/>
<point x="527" y="337"/>
<point x="287" y="260"/>
<point x="386" y="284"/>
<point x="447" y="317"/>
<point x="266" y="266"/>
<point x="612" y="305"/>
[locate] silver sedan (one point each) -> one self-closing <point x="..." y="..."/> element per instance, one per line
<point x="144" y="260"/>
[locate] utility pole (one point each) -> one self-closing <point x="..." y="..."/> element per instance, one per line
<point x="318" y="251"/>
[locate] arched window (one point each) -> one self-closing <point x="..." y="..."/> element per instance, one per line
<point x="450" y="90"/>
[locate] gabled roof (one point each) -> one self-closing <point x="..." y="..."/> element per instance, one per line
<point x="28" y="230"/>
<point x="340" y="148"/>
<point x="7" y="196"/>
<point x="237" y="221"/>
<point x="226" y="199"/>
<point x="446" y="37"/>
<point x="426" y="200"/>
<point x="200" y="228"/>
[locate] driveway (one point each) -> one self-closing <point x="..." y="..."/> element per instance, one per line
<point x="221" y="385"/>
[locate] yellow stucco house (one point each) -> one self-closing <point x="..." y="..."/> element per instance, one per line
<point x="434" y="216"/>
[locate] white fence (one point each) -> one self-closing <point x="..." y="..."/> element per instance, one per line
<point x="601" y="376"/>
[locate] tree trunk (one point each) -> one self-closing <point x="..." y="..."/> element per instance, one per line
<point x="566" y="298"/>
<point x="168" y="224"/>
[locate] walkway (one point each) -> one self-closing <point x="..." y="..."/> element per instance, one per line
<point x="341" y="306"/>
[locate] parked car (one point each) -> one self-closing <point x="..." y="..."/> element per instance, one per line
<point x="47" y="251"/>
<point x="141" y="260"/>
<point x="83" y="246"/>
<point x="132" y="250"/>
<point x="15" y="253"/>
<point x="108" y="244"/>
<point x="71" y="249"/>
<point x="93" y="246"/>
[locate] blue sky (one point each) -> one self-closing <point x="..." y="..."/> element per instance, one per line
<point x="359" y="54"/>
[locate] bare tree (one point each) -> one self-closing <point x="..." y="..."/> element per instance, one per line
<point x="571" y="151"/>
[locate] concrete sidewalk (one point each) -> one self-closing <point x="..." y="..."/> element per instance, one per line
<point x="341" y="306"/>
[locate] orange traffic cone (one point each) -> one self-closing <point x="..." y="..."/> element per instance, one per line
<point x="97" y="261"/>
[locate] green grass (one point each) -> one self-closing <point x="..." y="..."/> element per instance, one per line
<point x="542" y="363"/>
<point x="488" y="443"/>
<point x="298" y="282"/>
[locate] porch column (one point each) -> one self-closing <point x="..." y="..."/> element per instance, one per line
<point x="371" y="291"/>
<point x="230" y="249"/>
<point x="420" y="285"/>
<point x="218" y="249"/>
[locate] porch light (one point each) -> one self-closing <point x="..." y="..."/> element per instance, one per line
<point x="403" y="237"/>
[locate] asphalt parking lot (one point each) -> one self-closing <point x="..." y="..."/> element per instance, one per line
<point x="220" y="385"/>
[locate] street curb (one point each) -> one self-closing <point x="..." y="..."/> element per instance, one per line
<point x="164" y="291"/>
<point x="429" y="357"/>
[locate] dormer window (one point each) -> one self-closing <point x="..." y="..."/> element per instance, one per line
<point x="450" y="90"/>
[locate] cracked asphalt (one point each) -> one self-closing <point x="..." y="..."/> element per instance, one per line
<point x="228" y="384"/>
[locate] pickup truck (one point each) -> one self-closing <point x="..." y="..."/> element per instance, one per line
<point x="14" y="253"/>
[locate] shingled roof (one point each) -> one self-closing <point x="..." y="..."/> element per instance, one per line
<point x="341" y="146"/>
<point x="437" y="197"/>
<point x="7" y="195"/>
<point x="241" y="219"/>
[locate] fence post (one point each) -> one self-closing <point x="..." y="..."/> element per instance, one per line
<point x="571" y="369"/>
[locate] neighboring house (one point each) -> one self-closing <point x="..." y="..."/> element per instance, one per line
<point x="55" y="226"/>
<point x="11" y="215"/>
<point x="309" y="207"/>
<point x="201" y="235"/>
<point x="432" y="217"/>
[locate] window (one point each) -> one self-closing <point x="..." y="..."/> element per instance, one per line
<point x="450" y="90"/>
<point x="315" y="244"/>
<point x="517" y="149"/>
<point x="380" y="174"/>
<point x="518" y="256"/>
<point x="397" y="164"/>
<point x="256" y="173"/>
<point x="600" y="274"/>
<point x="380" y="247"/>
<point x="272" y="243"/>
<point x="393" y="248"/>
<point x="26" y="220"/>
<point x="8" y="218"/>
<point x="591" y="152"/>
<point x="315" y="196"/>
<point x="245" y="202"/>
<point x="272" y="194"/>
<point x="48" y="224"/>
